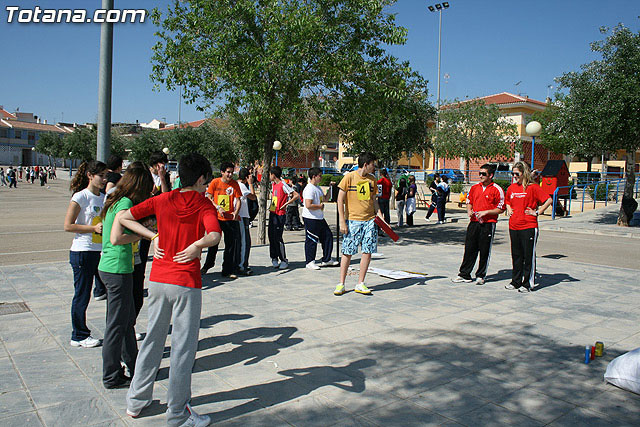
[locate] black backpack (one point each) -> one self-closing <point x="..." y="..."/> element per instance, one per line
<point x="253" y="209"/>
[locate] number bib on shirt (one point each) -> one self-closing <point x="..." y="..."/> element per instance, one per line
<point x="364" y="190"/>
<point x="274" y="203"/>
<point x="379" y="190"/>
<point x="96" y="238"/>
<point x="224" y="202"/>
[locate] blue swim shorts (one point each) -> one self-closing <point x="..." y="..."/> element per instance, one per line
<point x="362" y="233"/>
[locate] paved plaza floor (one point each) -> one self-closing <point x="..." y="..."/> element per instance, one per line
<point x="278" y="348"/>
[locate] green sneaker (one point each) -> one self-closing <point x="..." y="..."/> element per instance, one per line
<point x="362" y="289"/>
<point x="339" y="289"/>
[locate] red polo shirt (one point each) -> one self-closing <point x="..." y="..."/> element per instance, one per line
<point x="519" y="199"/>
<point x="486" y="198"/>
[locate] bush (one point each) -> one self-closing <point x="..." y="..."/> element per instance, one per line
<point x="328" y="179"/>
<point x="457" y="187"/>
<point x="602" y="192"/>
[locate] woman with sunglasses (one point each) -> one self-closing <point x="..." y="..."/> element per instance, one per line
<point x="525" y="202"/>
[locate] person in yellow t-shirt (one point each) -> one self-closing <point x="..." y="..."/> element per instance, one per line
<point x="357" y="208"/>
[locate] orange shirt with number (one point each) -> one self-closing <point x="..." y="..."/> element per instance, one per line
<point x="224" y="195"/>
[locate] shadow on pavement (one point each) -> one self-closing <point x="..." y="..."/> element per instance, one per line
<point x="543" y="280"/>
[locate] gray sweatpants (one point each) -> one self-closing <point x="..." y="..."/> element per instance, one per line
<point x="180" y="306"/>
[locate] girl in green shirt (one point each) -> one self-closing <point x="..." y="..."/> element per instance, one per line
<point x="116" y="268"/>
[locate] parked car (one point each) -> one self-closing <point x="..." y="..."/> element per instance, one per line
<point x="330" y="171"/>
<point x="451" y="175"/>
<point x="503" y="171"/>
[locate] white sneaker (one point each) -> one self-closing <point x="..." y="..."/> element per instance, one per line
<point x="362" y="289"/>
<point x="139" y="336"/>
<point x="439" y="222"/>
<point x="377" y="255"/>
<point x="460" y="279"/>
<point x="312" y="266"/>
<point x="275" y="263"/>
<point x="331" y="263"/>
<point x="196" y="420"/>
<point x="283" y="265"/>
<point x="479" y="280"/>
<point x="87" y="342"/>
<point x="135" y="414"/>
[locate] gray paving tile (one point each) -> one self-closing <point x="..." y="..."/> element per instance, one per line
<point x="405" y="413"/>
<point x="535" y="405"/>
<point x="79" y="412"/>
<point x="26" y="419"/>
<point x="14" y="402"/>
<point x="56" y="392"/>
<point x="494" y="415"/>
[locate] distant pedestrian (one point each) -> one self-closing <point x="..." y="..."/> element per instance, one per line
<point x="83" y="219"/>
<point x="3" y="179"/>
<point x="282" y="196"/>
<point x="32" y="174"/>
<point x="245" y="181"/>
<point x="12" y="177"/>
<point x="525" y="202"/>
<point x="384" y="194"/>
<point x="412" y="190"/>
<point x="484" y="203"/>
<point x="433" y="188"/>
<point x="443" y="193"/>
<point x="20" y="173"/>
<point x="401" y="200"/>
<point x="357" y="208"/>
<point x="316" y="227"/>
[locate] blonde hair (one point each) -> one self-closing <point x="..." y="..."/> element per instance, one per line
<point x="525" y="170"/>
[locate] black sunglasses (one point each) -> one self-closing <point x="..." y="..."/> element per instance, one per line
<point x="483" y="174"/>
<point x="515" y="173"/>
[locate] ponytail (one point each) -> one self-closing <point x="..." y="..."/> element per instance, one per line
<point x="525" y="170"/>
<point x="80" y="180"/>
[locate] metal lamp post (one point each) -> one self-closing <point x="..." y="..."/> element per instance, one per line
<point x="439" y="7"/>
<point x="70" y="164"/>
<point x="533" y="129"/>
<point x="277" y="145"/>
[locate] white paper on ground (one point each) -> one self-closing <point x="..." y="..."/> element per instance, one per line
<point x="396" y="274"/>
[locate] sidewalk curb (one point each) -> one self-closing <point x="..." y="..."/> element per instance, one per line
<point x="591" y="231"/>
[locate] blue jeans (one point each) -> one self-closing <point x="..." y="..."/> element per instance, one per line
<point x="85" y="268"/>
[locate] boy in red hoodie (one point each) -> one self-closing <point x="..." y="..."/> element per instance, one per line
<point x="184" y="216"/>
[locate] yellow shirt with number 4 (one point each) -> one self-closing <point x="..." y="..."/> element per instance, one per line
<point x="361" y="193"/>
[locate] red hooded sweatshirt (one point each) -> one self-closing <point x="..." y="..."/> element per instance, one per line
<point x="183" y="218"/>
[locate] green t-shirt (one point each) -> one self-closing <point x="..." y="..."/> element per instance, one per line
<point x="116" y="259"/>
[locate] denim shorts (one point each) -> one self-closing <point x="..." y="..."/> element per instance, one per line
<point x="362" y="233"/>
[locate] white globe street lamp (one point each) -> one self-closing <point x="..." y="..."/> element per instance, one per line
<point x="277" y="145"/>
<point x="533" y="129"/>
<point x="165" y="150"/>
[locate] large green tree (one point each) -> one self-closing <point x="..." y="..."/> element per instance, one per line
<point x="81" y="143"/>
<point x="213" y="143"/>
<point x="387" y="115"/>
<point x="601" y="109"/>
<point x="51" y="144"/>
<point x="473" y="130"/>
<point x="267" y="60"/>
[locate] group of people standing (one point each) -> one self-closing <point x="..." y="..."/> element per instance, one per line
<point x="524" y="202"/>
<point x="31" y="173"/>
<point x="116" y="216"/>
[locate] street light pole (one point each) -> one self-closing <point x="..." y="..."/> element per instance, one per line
<point x="533" y="129"/>
<point x="104" y="86"/>
<point x="439" y="7"/>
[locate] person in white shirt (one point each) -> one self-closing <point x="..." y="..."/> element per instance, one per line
<point x="315" y="226"/>
<point x="83" y="219"/>
<point x="245" y="180"/>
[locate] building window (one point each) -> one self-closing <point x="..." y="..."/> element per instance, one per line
<point x="4" y="133"/>
<point x="31" y="137"/>
<point x="18" y="134"/>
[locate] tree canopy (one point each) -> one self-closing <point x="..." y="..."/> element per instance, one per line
<point x="600" y="111"/>
<point x="473" y="130"/>
<point x="266" y="63"/>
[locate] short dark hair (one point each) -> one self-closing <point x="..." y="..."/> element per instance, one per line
<point x="366" y="158"/>
<point x="159" y="157"/>
<point x="490" y="168"/>
<point x="114" y="162"/>
<point x="193" y="166"/>
<point x="276" y="171"/>
<point x="243" y="173"/>
<point x="226" y="165"/>
<point x="436" y="175"/>
<point x="314" y="172"/>
<point x="384" y="172"/>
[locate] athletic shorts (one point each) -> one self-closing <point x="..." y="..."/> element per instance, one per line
<point x="362" y="233"/>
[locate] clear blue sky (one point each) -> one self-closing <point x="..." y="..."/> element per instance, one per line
<point x="488" y="46"/>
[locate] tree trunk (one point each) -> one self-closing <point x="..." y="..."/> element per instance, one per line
<point x="264" y="189"/>
<point x="630" y="167"/>
<point x="467" y="173"/>
<point x="589" y="162"/>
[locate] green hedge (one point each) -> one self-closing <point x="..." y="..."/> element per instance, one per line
<point x="602" y="192"/>
<point x="327" y="179"/>
<point x="457" y="187"/>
